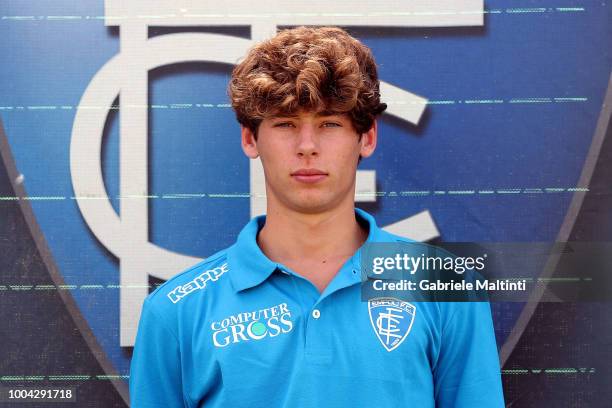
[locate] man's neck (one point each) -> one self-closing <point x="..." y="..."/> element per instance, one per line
<point x="295" y="238"/>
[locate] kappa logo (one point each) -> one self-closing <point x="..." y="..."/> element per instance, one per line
<point x="256" y="325"/>
<point x="198" y="283"/>
<point x="391" y="320"/>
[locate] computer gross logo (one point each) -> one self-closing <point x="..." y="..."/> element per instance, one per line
<point x="249" y="326"/>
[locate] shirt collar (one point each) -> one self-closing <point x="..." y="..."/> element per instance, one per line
<point x="249" y="266"/>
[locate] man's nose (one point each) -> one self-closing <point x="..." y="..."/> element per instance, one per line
<point x="307" y="141"/>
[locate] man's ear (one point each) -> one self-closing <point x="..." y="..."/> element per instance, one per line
<point x="368" y="140"/>
<point x="249" y="142"/>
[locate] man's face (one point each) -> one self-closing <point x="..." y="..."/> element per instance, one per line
<point x="309" y="159"/>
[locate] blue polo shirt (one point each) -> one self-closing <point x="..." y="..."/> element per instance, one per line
<point x="240" y="330"/>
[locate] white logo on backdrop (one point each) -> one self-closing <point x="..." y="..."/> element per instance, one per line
<point x="127" y="72"/>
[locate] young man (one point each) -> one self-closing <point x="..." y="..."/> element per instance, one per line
<point x="277" y="320"/>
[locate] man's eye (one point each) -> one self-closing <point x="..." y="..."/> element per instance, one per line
<point x="283" y="124"/>
<point x="331" y="124"/>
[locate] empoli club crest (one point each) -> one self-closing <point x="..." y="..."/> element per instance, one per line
<point x="391" y="320"/>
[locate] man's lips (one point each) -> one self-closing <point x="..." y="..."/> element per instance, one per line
<point x="309" y="175"/>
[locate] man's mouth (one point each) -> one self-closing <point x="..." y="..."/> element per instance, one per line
<point x="309" y="175"/>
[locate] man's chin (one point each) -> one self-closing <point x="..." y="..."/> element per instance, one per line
<point x="312" y="205"/>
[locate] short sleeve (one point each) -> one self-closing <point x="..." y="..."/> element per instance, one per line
<point x="155" y="371"/>
<point x="467" y="372"/>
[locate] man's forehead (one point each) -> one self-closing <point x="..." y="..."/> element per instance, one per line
<point x="306" y="113"/>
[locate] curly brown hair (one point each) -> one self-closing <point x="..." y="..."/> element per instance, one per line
<point x="323" y="69"/>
